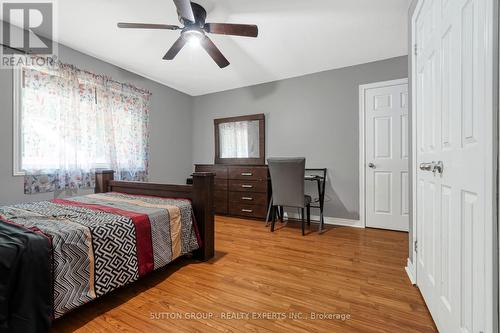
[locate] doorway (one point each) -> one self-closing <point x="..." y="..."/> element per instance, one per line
<point x="384" y="155"/>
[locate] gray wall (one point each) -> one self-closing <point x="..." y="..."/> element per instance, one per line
<point x="315" y="116"/>
<point x="170" y="125"/>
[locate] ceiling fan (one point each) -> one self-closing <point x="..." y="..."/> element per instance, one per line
<point x="193" y="16"/>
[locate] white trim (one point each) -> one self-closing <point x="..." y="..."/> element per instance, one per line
<point x="341" y="222"/>
<point x="413" y="116"/>
<point x="362" y="158"/>
<point x="410" y="271"/>
<point x="329" y="220"/>
<point x="16" y="124"/>
<point x="490" y="169"/>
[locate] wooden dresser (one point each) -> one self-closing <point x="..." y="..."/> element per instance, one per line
<point x="240" y="190"/>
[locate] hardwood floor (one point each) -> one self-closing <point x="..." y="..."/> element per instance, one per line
<point x="357" y="273"/>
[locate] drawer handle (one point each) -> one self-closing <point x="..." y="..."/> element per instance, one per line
<point x="247" y="174"/>
<point x="247" y="186"/>
<point x="247" y="211"/>
<point x="247" y="198"/>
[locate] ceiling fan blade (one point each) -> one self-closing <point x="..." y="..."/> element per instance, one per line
<point x="246" y="30"/>
<point x="175" y="49"/>
<point x="214" y="52"/>
<point x="147" y="26"/>
<point x="185" y="10"/>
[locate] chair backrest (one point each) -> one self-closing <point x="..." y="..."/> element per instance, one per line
<point x="287" y="180"/>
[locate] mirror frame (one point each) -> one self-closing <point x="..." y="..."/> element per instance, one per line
<point x="261" y="160"/>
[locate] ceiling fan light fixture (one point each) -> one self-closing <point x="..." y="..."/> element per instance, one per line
<point x="193" y="36"/>
<point x="192" y="16"/>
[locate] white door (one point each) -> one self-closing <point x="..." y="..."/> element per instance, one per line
<point x="453" y="127"/>
<point x="386" y="155"/>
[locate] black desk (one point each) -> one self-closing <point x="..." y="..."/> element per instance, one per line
<point x="318" y="176"/>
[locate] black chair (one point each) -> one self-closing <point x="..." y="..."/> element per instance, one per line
<point x="287" y="181"/>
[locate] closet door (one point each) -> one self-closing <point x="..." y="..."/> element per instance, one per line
<point x="454" y="179"/>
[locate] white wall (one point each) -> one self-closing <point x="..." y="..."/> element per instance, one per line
<point x="170" y="125"/>
<point x="314" y="116"/>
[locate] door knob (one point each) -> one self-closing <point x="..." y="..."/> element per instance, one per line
<point x="438" y="167"/>
<point x="427" y="166"/>
<point x="371" y="165"/>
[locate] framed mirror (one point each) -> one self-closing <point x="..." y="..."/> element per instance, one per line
<point x="240" y="140"/>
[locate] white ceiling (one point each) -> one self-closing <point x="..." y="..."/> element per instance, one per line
<point x="295" y="38"/>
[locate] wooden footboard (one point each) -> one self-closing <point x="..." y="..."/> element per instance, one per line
<point x="200" y="194"/>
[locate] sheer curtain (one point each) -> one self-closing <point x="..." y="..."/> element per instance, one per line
<point x="125" y="130"/>
<point x="74" y="122"/>
<point x="239" y="139"/>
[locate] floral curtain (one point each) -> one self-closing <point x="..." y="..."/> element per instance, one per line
<point x="74" y="122"/>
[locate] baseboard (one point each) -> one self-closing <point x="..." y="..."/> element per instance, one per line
<point x="410" y="271"/>
<point x="330" y="220"/>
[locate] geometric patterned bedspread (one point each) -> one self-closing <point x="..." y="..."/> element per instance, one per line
<point x="104" y="241"/>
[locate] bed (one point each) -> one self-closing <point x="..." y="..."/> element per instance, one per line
<point x="58" y="255"/>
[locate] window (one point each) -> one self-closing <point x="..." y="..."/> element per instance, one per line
<point x="68" y="120"/>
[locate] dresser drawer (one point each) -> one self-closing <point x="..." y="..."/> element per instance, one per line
<point x="220" y="184"/>
<point x="250" y="173"/>
<point x="248" y="198"/>
<point x="256" y="211"/>
<point x="248" y="186"/>
<point x="219" y="170"/>
<point x="220" y="202"/>
<point x="239" y="190"/>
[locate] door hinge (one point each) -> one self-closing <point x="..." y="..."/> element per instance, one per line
<point x="415" y="49"/>
<point x="415" y="246"/>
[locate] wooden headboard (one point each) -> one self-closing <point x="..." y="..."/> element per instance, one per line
<point x="200" y="194"/>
